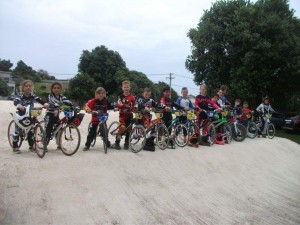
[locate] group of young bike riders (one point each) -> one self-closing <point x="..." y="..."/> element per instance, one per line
<point x="127" y="104"/>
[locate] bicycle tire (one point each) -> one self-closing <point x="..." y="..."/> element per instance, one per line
<point x="65" y="138"/>
<point x="211" y="134"/>
<point x="104" y="136"/>
<point x="228" y="133"/>
<point x="181" y="132"/>
<point x="162" y="137"/>
<point x="240" y="134"/>
<point x="112" y="130"/>
<point x="137" y="138"/>
<point x="39" y="140"/>
<point x="271" y="130"/>
<point x="10" y="132"/>
<point x="193" y="128"/>
<point x="252" y="130"/>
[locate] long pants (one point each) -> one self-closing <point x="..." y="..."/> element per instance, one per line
<point x="17" y="133"/>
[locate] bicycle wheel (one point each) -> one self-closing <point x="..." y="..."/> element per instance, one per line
<point x="10" y="134"/>
<point x="180" y="132"/>
<point x="69" y="139"/>
<point x="112" y="130"/>
<point x="104" y="136"/>
<point x="39" y="141"/>
<point x="137" y="138"/>
<point x="270" y="130"/>
<point x="239" y="132"/>
<point x="162" y="137"/>
<point x="211" y="134"/>
<point x="227" y="133"/>
<point x="193" y="129"/>
<point x="252" y="130"/>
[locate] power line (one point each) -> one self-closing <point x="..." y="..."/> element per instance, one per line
<point x="184" y="76"/>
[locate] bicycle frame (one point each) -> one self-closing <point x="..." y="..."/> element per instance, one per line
<point x="34" y="121"/>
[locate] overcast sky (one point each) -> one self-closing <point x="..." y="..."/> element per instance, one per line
<point x="150" y="35"/>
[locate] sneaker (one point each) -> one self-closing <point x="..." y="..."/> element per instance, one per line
<point x="195" y="145"/>
<point x="31" y="149"/>
<point x="126" y="146"/>
<point x="171" y="146"/>
<point x="116" y="146"/>
<point x="149" y="148"/>
<point x="86" y="148"/>
<point x="16" y="150"/>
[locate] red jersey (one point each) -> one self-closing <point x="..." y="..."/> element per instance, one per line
<point x="167" y="102"/>
<point x="245" y="112"/>
<point x="125" y="103"/>
<point x="98" y="105"/>
<point x="205" y="102"/>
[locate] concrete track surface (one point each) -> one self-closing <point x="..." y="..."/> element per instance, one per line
<point x="253" y="182"/>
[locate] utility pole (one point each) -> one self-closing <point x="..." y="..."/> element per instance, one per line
<point x="171" y="77"/>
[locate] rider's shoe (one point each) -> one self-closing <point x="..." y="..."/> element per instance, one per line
<point x="149" y="148"/>
<point x="126" y="145"/>
<point x="16" y="150"/>
<point x="86" y="148"/>
<point x="116" y="146"/>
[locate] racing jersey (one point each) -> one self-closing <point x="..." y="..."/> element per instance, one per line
<point x="23" y="100"/>
<point x="125" y="103"/>
<point x="204" y="103"/>
<point x="98" y="105"/>
<point x="142" y="103"/>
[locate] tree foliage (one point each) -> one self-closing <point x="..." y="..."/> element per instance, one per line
<point x="161" y="85"/>
<point x="4" y="88"/>
<point x="81" y="88"/>
<point x="107" y="69"/>
<point x="24" y="72"/>
<point x="5" y="65"/>
<point x="254" y="48"/>
<point x="44" y="75"/>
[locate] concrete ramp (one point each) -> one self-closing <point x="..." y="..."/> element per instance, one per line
<point x="254" y="182"/>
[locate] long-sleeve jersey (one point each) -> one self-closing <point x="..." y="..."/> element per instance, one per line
<point x="223" y="101"/>
<point x="125" y="103"/>
<point x="53" y="101"/>
<point x="23" y="100"/>
<point x="185" y="103"/>
<point x="245" y="112"/>
<point x="167" y="102"/>
<point x="204" y="102"/>
<point x="237" y="110"/>
<point x="98" y="105"/>
<point x="142" y="103"/>
<point x="265" y="108"/>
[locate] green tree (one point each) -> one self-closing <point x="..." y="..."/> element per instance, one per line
<point x="4" y="88"/>
<point x="107" y="69"/>
<point x="44" y="75"/>
<point x="23" y="72"/>
<point x="102" y="65"/>
<point x="253" y="48"/>
<point x="161" y="86"/>
<point x="138" y="82"/>
<point x="81" y="88"/>
<point x="5" y="65"/>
